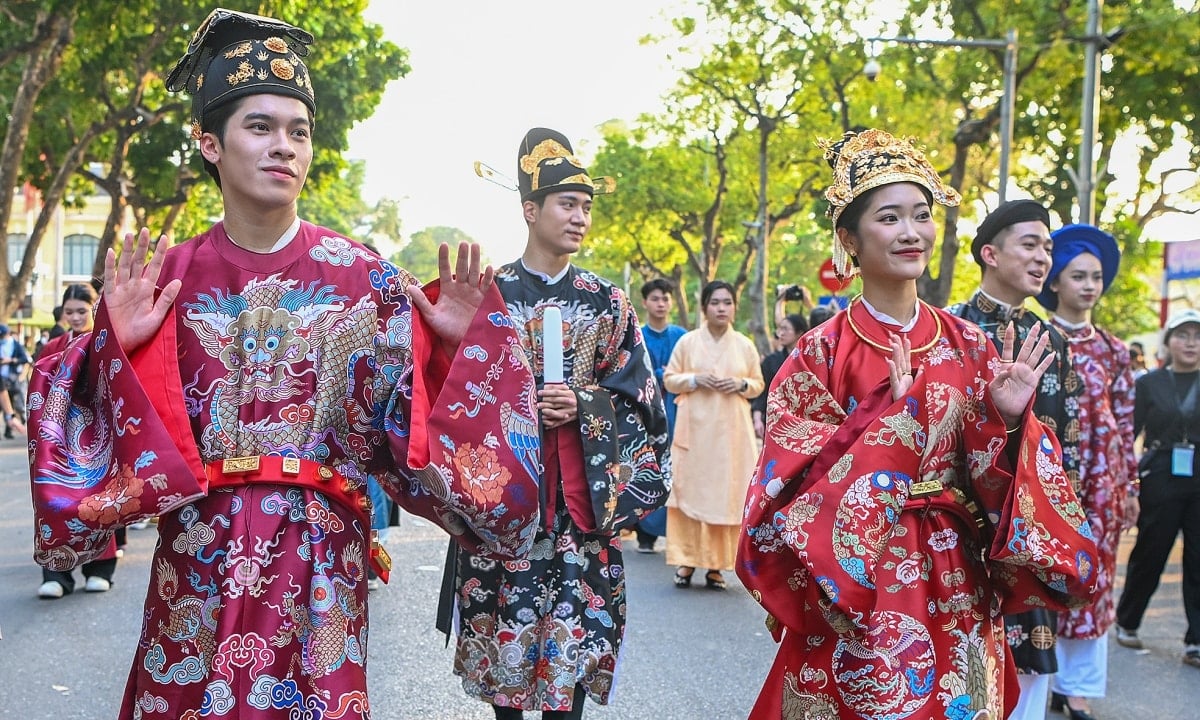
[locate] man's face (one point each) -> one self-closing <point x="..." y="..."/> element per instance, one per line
<point x="658" y="306"/>
<point x="1017" y="261"/>
<point x="266" y="153"/>
<point x="559" y="226"/>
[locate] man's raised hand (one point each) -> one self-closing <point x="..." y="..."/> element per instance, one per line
<point x="460" y="294"/>
<point x="129" y="290"/>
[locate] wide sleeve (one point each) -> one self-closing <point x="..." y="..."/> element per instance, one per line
<point x="803" y="422"/>
<point x="1042" y="551"/>
<point x="626" y="406"/>
<point x="465" y="447"/>
<point x="678" y="376"/>
<point x="831" y="487"/>
<point x="107" y="447"/>
<point x="752" y="369"/>
<point x="1122" y="395"/>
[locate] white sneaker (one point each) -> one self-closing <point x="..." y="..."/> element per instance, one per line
<point x="142" y="525"/>
<point x="373" y="584"/>
<point x="97" y="584"/>
<point x="51" y="590"/>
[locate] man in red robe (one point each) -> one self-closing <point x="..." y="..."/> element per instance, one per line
<point x="242" y="386"/>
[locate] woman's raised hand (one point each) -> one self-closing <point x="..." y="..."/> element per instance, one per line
<point x="1016" y="380"/>
<point x="900" y="372"/>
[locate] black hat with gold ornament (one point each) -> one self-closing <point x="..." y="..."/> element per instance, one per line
<point x="234" y="54"/>
<point x="546" y="164"/>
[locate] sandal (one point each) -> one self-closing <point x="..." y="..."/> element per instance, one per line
<point x="683" y="581"/>
<point x="714" y="580"/>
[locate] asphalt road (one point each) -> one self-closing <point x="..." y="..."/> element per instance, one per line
<point x="688" y="653"/>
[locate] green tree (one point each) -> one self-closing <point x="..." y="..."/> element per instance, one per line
<point x="948" y="99"/>
<point x="420" y="255"/>
<point x="106" y="107"/>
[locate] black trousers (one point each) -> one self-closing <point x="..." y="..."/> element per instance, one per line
<point x="98" y="568"/>
<point x="1168" y="505"/>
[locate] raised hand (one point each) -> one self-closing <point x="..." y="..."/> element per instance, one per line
<point x="129" y="287"/>
<point x="1016" y="379"/>
<point x="900" y="373"/>
<point x="460" y="295"/>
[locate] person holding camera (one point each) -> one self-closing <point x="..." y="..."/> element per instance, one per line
<point x="790" y="293"/>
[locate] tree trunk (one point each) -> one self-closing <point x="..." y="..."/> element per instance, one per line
<point x="52" y="34"/>
<point x="756" y="291"/>
<point x="936" y="291"/>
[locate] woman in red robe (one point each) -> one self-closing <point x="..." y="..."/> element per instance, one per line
<point x="1085" y="264"/>
<point x="906" y="497"/>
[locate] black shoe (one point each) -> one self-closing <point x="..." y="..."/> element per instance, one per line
<point x="8" y="433"/>
<point x="683" y="581"/>
<point x="645" y="548"/>
<point x="1058" y="703"/>
<point x="714" y="580"/>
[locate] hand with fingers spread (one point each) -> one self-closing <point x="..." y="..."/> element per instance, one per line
<point x="461" y="293"/>
<point x="900" y="372"/>
<point x="129" y="290"/>
<point x="1016" y="380"/>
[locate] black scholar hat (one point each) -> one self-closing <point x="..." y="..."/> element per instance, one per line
<point x="234" y="54"/>
<point x="546" y="164"/>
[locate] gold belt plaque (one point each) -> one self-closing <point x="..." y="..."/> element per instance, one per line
<point x="236" y="465"/>
<point x="291" y="466"/>
<point x="925" y="487"/>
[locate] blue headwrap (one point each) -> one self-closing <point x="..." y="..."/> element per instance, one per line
<point x="1072" y="241"/>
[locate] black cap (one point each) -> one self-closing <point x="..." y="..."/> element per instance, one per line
<point x="1009" y="213"/>
<point x="234" y="54"/>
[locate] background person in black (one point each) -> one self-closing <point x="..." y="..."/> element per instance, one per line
<point x="1167" y="410"/>
<point x="787" y="332"/>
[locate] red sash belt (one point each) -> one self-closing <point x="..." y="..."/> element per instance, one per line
<point x="278" y="470"/>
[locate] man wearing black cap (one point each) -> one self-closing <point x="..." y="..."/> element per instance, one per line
<point x="1012" y="248"/>
<point x="244" y="384"/>
<point x="544" y="632"/>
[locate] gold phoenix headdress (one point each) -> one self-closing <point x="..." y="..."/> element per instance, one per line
<point x="870" y="159"/>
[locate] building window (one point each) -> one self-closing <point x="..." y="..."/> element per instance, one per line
<point x="79" y="254"/>
<point x="17" y="242"/>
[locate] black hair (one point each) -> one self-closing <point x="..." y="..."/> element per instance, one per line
<point x="798" y="323"/>
<point x="57" y="313"/>
<point x="853" y="213"/>
<point x="713" y="286"/>
<point x="215" y="121"/>
<point x="818" y="315"/>
<point x="79" y="291"/>
<point x="663" y="284"/>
